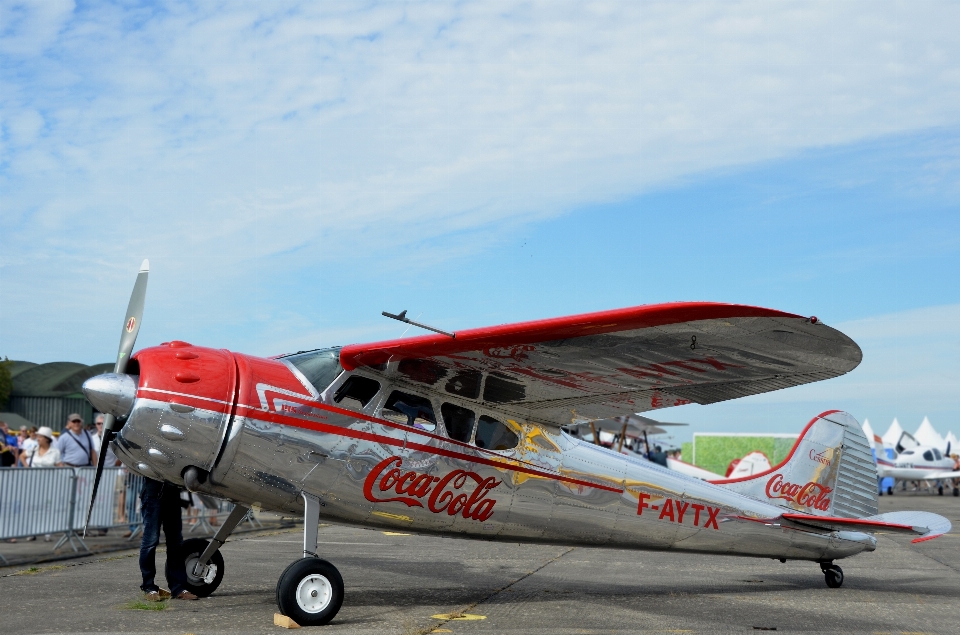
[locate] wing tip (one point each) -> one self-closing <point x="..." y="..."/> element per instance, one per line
<point x="145" y="266"/>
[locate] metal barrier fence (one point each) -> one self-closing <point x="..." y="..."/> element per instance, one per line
<point x="40" y="501"/>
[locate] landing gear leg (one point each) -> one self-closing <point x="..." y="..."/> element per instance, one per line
<point x="832" y="574"/>
<point x="310" y="591"/>
<point x="203" y="561"/>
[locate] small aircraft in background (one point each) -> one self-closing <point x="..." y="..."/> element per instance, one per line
<point x="461" y="434"/>
<point x="917" y="462"/>
<point x="631" y="436"/>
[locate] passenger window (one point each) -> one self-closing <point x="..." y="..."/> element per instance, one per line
<point x="410" y="410"/>
<point x="493" y="435"/>
<point x="459" y="422"/>
<point x="928" y="456"/>
<point x="936" y="454"/>
<point x="466" y="383"/>
<point x="357" y="391"/>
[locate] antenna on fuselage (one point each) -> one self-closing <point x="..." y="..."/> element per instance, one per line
<point x="402" y="317"/>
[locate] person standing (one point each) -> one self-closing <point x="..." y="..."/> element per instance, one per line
<point x="9" y="452"/>
<point x="28" y="446"/>
<point x="77" y="448"/>
<point x="46" y="455"/>
<point x="111" y="460"/>
<point x="160" y="508"/>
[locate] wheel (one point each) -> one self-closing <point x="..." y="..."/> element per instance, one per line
<point x="310" y="591"/>
<point x="192" y="550"/>
<point x="890" y="490"/>
<point x="939" y="490"/>
<point x="833" y="576"/>
<point x="956" y="491"/>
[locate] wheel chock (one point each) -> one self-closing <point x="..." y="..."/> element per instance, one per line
<point x="279" y="619"/>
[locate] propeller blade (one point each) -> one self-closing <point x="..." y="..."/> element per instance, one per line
<point x="128" y="337"/>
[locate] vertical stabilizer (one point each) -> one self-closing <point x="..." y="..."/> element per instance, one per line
<point x="829" y="472"/>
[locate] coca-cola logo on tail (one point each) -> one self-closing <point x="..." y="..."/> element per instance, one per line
<point x="442" y="494"/>
<point x="812" y="495"/>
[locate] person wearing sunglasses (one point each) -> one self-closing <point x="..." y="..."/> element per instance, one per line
<point x="77" y="447"/>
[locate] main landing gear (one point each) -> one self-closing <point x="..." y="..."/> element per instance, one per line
<point x="832" y="574"/>
<point x="310" y="591"/>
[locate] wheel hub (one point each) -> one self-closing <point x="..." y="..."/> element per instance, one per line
<point x="314" y="593"/>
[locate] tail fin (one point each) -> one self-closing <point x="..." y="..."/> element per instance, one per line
<point x="829" y="472"/>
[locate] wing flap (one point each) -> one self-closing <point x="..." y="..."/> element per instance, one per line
<point x="603" y="365"/>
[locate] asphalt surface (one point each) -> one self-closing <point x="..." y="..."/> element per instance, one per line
<point x="398" y="583"/>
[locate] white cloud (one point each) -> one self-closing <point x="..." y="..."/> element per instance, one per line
<point x="222" y="141"/>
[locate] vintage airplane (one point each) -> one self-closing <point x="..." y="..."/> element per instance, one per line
<point x="918" y="462"/>
<point x="460" y="435"/>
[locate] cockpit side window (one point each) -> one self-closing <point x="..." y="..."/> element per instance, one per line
<point x="458" y="421"/>
<point x="356" y="392"/>
<point x="319" y="367"/>
<point x="928" y="456"/>
<point x="494" y="435"/>
<point x="936" y="454"/>
<point x="410" y="410"/>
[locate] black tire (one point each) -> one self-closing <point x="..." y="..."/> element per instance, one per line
<point x="890" y="491"/>
<point x="956" y="491"/>
<point x="310" y="592"/>
<point x="940" y="490"/>
<point x="191" y="552"/>
<point x="833" y="576"/>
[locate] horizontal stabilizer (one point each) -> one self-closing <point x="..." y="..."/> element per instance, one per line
<point x="923" y="524"/>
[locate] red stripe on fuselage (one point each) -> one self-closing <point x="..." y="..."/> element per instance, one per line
<point x="282" y="419"/>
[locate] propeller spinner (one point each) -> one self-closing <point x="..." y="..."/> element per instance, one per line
<point x="114" y="389"/>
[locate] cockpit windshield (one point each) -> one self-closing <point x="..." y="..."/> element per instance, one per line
<point x="320" y="367"/>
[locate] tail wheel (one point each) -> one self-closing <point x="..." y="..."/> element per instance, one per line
<point x="201" y="586"/>
<point x="833" y="576"/>
<point x="310" y="591"/>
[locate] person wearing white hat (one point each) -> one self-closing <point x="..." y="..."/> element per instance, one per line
<point x="45" y="455"/>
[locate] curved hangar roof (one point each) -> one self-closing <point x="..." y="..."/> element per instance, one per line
<point x="55" y="379"/>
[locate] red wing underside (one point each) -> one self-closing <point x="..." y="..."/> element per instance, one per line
<point x="600" y="365"/>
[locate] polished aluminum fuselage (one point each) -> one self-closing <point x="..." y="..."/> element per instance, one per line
<point x="274" y="444"/>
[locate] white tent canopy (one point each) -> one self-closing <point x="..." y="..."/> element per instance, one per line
<point x="868" y="432"/>
<point x="892" y="435"/>
<point x="926" y="435"/>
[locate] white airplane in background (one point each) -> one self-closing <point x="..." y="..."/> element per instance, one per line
<point x="916" y="462"/>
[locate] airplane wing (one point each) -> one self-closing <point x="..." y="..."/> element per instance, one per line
<point x="924" y="524"/>
<point x="573" y="369"/>
<point x="939" y="475"/>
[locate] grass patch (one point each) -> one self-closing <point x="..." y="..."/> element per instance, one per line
<point x="143" y="605"/>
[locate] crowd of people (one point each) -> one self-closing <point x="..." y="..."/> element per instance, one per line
<point x="76" y="446"/>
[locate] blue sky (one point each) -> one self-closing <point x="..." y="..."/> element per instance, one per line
<point x="292" y="170"/>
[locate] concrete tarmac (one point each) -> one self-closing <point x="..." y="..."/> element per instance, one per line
<point x="401" y="583"/>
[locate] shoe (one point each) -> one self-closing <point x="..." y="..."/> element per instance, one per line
<point x="47" y="538"/>
<point x="186" y="595"/>
<point x="31" y="538"/>
<point x="127" y="534"/>
<point x="152" y="596"/>
<point x="164" y="594"/>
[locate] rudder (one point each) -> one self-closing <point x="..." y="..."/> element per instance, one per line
<point x="829" y="472"/>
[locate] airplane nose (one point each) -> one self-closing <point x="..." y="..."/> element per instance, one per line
<point x="112" y="393"/>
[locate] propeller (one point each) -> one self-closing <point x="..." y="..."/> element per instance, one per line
<point x="128" y="337"/>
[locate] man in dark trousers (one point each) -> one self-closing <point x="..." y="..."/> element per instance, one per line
<point x="160" y="507"/>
